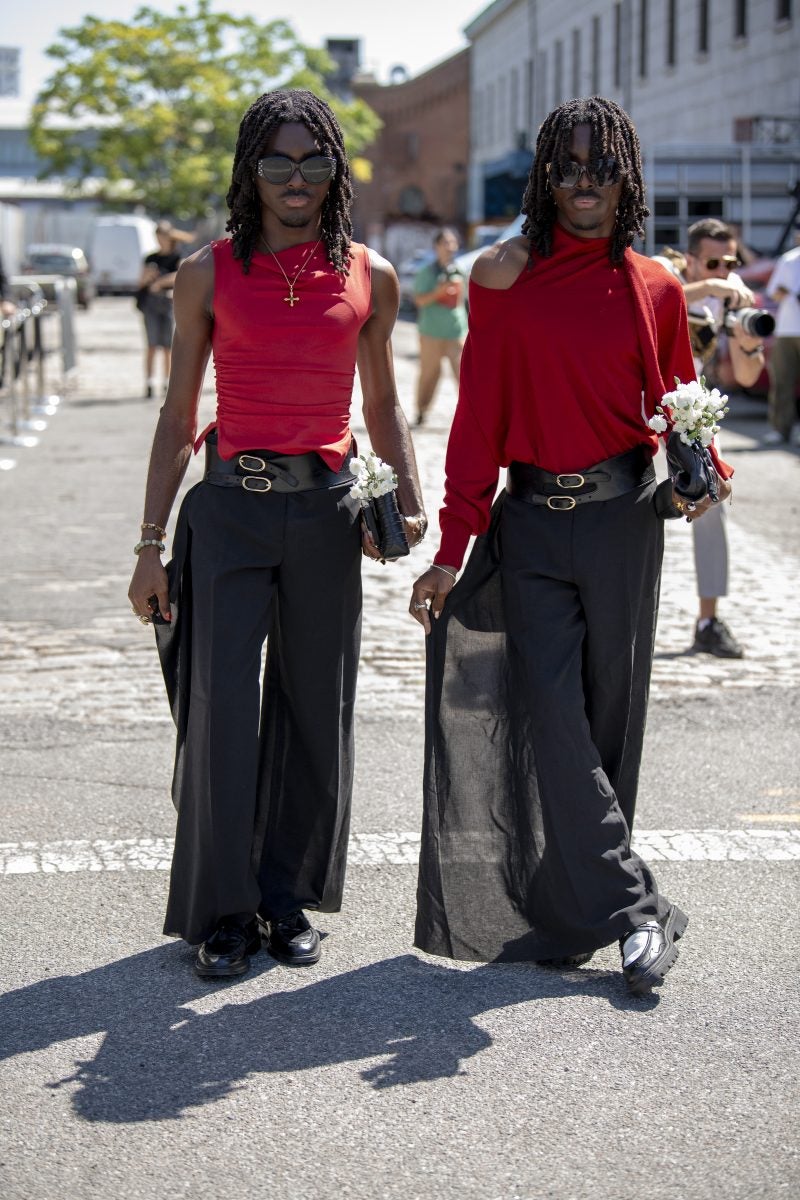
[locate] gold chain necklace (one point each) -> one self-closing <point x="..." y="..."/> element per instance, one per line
<point x="291" y="299"/>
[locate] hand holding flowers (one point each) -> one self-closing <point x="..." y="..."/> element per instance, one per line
<point x="690" y="416"/>
<point x="375" y="486"/>
<point x="692" y="411"/>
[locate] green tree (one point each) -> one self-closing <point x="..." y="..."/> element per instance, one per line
<point x="147" y="111"/>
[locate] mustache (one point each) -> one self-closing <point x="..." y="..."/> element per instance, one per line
<point x="585" y="192"/>
<point x="293" y="193"/>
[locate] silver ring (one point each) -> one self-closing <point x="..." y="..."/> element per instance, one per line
<point x="420" y="606"/>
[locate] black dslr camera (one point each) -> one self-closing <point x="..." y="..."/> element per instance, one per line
<point x="755" y="322"/>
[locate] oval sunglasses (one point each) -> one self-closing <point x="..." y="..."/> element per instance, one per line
<point x="278" y="168"/>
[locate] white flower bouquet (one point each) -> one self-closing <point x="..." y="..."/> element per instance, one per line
<point x="373" y="476"/>
<point x="375" y="485"/>
<point x="691" y="413"/>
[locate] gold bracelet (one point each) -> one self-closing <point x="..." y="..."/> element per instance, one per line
<point x="162" y="533"/>
<point x="450" y="573"/>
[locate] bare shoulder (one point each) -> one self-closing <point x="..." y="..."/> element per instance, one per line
<point x="197" y="266"/>
<point x="500" y="265"/>
<point x="379" y="265"/>
<point x="385" y="285"/>
<point x="194" y="285"/>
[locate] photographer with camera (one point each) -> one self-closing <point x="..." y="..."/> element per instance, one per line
<point x="718" y="301"/>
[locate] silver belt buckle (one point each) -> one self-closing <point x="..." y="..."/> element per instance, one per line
<point x="265" y="485"/>
<point x="246" y="459"/>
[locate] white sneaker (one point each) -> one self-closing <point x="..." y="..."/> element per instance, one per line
<point x="772" y="438"/>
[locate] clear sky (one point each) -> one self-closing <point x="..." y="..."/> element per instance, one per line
<point x="411" y="33"/>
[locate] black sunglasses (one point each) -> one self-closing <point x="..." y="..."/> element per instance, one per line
<point x="727" y="260"/>
<point x="277" y="168"/>
<point x="601" y="174"/>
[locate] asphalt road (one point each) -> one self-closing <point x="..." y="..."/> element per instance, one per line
<point x="382" y="1072"/>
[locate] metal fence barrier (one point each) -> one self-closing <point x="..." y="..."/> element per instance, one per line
<point x="38" y="359"/>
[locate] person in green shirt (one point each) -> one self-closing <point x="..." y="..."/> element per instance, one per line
<point x="439" y="294"/>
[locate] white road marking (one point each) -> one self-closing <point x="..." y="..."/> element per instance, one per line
<point x="393" y="848"/>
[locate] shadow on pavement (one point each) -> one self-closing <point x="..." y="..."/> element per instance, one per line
<point x="159" y="1059"/>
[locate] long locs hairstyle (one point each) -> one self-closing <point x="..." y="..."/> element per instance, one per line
<point x="612" y="136"/>
<point x="270" y="110"/>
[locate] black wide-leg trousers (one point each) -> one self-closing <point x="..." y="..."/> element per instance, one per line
<point x="264" y="775"/>
<point x="580" y="593"/>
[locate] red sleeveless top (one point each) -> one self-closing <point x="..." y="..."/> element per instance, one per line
<point x="284" y="372"/>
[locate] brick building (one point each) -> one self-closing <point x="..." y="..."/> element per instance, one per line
<point x="419" y="160"/>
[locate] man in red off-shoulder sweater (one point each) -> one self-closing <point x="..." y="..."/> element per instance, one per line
<point x="268" y="545"/>
<point x="540" y="660"/>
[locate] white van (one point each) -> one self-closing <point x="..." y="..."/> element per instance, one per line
<point x="117" y="248"/>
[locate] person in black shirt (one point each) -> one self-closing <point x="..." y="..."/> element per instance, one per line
<point x="154" y="300"/>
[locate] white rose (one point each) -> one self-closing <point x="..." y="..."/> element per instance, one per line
<point x="658" y="423"/>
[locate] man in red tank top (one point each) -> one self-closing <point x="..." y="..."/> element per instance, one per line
<point x="541" y="658"/>
<point x="268" y="545"/>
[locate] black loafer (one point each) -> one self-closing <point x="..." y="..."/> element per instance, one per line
<point x="649" y="951"/>
<point x="292" y="939"/>
<point x="570" y="960"/>
<point x="227" y="952"/>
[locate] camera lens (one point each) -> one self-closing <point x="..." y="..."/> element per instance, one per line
<point x="756" y="322"/>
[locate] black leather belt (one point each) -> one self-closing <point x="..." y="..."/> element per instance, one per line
<point x="269" y="471"/>
<point x="561" y="493"/>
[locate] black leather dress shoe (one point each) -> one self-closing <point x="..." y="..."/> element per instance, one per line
<point x="649" y="951"/>
<point x="569" y="960"/>
<point x="227" y="952"/>
<point x="291" y="939"/>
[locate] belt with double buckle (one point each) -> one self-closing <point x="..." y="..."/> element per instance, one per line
<point x="562" y="492"/>
<point x="264" y="471"/>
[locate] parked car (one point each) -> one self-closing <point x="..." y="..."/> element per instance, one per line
<point x="117" y="249"/>
<point x="407" y="273"/>
<point x="53" y="258"/>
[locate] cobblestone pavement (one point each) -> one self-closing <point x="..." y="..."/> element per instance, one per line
<point x="100" y="670"/>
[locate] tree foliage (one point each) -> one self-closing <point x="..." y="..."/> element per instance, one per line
<point x="148" y="111"/>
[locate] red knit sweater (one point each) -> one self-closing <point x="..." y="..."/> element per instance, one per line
<point x="563" y="369"/>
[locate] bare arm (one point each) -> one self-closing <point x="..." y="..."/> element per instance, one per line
<point x="177" y="422"/>
<point x="747" y="366"/>
<point x="384" y="418"/>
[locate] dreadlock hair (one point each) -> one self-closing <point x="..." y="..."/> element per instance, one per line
<point x="614" y="136"/>
<point x="262" y="117"/>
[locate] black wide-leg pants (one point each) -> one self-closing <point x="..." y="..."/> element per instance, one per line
<point x="263" y="779"/>
<point x="580" y="592"/>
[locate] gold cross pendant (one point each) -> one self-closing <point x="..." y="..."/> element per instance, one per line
<point x="291" y="299"/>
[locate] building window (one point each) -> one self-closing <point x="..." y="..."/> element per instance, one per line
<point x="672" y="33"/>
<point x="643" y="31"/>
<point x="576" y="63"/>
<point x="617" y="45"/>
<point x="514" y="121"/>
<point x="558" y="72"/>
<point x="529" y="95"/>
<point x="9" y="71"/>
<point x="783" y="10"/>
<point x="740" y="18"/>
<point x="702" y="27"/>
<point x="595" y="56"/>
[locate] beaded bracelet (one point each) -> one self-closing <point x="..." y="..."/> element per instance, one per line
<point x="162" y="533"/>
<point x="137" y="549"/>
